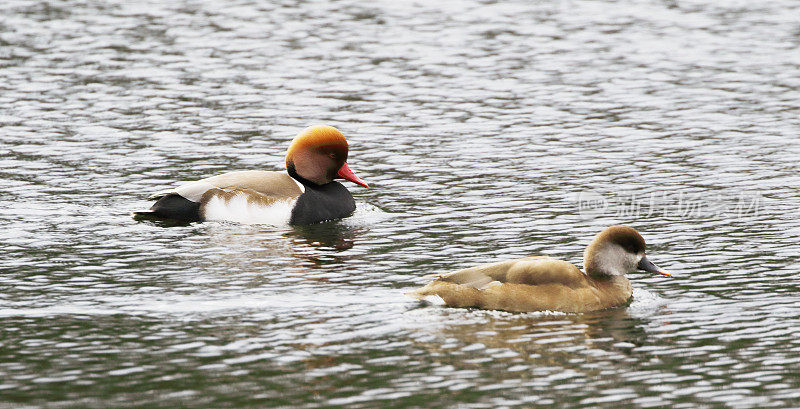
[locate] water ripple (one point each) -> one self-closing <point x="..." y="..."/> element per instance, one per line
<point x="482" y="128"/>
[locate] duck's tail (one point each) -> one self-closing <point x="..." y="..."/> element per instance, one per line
<point x="171" y="207"/>
<point x="144" y="215"/>
<point x="428" y="290"/>
<point x="427" y="294"/>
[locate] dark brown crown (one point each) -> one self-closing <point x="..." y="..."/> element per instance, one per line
<point x="626" y="237"/>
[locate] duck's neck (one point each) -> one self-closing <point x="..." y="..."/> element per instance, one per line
<point x="305" y="182"/>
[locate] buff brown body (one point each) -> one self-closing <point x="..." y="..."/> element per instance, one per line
<point x="548" y="284"/>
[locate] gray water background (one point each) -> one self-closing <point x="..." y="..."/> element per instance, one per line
<point x="487" y="130"/>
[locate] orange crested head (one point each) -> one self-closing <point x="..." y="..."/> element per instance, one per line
<point x="318" y="154"/>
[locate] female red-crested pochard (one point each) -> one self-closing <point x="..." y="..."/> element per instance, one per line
<point x="305" y="194"/>
<point x="548" y="284"/>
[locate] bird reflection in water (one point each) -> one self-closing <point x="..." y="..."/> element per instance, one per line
<point x="332" y="236"/>
<point x="534" y="340"/>
<point x="283" y="252"/>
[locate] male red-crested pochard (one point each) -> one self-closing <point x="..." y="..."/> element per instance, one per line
<point x="305" y="194"/>
<point x="548" y="284"/>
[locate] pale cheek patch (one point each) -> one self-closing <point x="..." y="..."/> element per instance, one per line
<point x="614" y="260"/>
<point x="240" y="210"/>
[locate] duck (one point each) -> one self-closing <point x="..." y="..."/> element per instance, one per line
<point x="305" y="194"/>
<point x="542" y="283"/>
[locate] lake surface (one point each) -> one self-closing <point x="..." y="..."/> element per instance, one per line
<point x="487" y="130"/>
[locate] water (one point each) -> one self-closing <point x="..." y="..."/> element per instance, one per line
<point x="487" y="130"/>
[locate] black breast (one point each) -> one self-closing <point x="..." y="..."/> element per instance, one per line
<point x="322" y="203"/>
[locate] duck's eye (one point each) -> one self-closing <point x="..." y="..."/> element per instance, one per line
<point x="332" y="155"/>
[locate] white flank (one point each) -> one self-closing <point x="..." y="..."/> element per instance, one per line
<point x="239" y="210"/>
